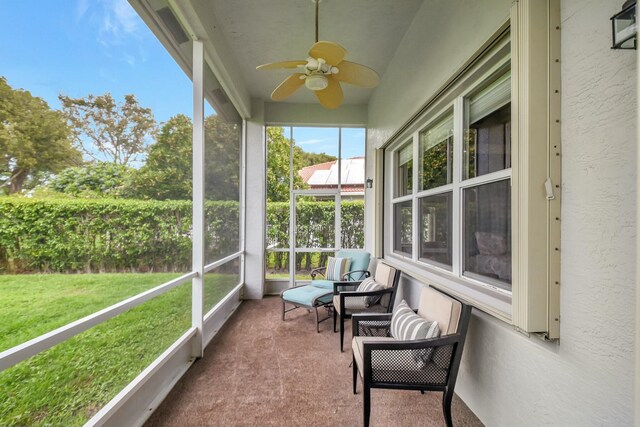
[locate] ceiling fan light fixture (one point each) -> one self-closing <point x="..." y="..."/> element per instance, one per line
<point x="316" y="82"/>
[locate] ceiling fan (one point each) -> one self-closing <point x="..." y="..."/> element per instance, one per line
<point x="322" y="73"/>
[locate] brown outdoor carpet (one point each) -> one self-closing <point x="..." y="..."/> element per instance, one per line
<point x="261" y="371"/>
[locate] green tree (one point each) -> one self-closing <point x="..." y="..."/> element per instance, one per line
<point x="167" y="173"/>
<point x="278" y="154"/>
<point x="34" y="140"/>
<point x="310" y="159"/>
<point x="107" y="131"/>
<point x="94" y="179"/>
<point x="222" y="159"/>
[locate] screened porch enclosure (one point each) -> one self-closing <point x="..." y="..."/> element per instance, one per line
<point x="465" y="157"/>
<point x="155" y="334"/>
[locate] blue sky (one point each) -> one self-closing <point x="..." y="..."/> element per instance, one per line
<point x="81" y="47"/>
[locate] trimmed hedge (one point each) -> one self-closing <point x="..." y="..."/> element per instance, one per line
<point x="110" y="235"/>
<point x="315" y="230"/>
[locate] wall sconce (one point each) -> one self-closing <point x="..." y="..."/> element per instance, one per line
<point x="369" y="183"/>
<point x="624" y="27"/>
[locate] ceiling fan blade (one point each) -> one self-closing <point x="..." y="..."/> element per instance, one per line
<point x="332" y="96"/>
<point x="356" y="74"/>
<point x="331" y="52"/>
<point x="287" y="87"/>
<point x="282" y="64"/>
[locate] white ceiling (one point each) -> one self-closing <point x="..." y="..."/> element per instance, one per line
<point x="262" y="31"/>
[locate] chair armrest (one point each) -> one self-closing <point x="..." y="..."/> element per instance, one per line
<point x="316" y="271"/>
<point x="381" y="319"/>
<point x="362" y="274"/>
<point x="347" y="294"/>
<point x="339" y="286"/>
<point x="412" y="344"/>
<point x="359" y="294"/>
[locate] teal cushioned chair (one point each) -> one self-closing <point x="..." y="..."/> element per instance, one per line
<point x="320" y="292"/>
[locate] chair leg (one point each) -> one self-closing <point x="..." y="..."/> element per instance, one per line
<point x="317" y="322"/>
<point x="446" y="407"/>
<point x="367" y="404"/>
<point x="341" y="332"/>
<point x="335" y="318"/>
<point x="283" y="307"/>
<point x="355" y="374"/>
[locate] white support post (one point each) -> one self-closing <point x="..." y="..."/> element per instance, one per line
<point x="197" y="293"/>
<point x="337" y="243"/>
<point x="292" y="215"/>
<point x="243" y="201"/>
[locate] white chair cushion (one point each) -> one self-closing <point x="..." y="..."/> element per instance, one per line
<point x="384" y="275"/>
<point x="437" y="307"/>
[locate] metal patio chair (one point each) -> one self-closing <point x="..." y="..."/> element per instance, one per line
<point x="425" y="365"/>
<point x="378" y="300"/>
<point x="319" y="293"/>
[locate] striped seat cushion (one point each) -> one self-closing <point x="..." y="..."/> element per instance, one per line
<point x="336" y="268"/>
<point x="406" y="325"/>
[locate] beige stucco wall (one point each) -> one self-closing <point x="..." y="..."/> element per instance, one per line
<point x="506" y="378"/>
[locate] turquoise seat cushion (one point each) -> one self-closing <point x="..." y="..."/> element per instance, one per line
<point x="308" y="295"/>
<point x="322" y="283"/>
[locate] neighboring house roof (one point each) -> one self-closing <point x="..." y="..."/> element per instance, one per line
<point x="325" y="175"/>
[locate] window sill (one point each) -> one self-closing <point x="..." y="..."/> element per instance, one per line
<point x="490" y="299"/>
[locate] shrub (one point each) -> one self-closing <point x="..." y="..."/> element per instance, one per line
<point x="57" y="235"/>
<point x="115" y="235"/>
<point x="315" y="222"/>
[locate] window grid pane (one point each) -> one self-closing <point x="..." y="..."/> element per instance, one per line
<point x="436" y="154"/>
<point x="487" y="137"/>
<point x="404" y="176"/>
<point x="487" y="232"/>
<point x="435" y="228"/>
<point x="402" y="218"/>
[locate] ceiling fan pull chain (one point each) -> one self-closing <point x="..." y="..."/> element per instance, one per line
<point x="317" y="2"/>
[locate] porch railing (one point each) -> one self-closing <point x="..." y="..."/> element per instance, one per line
<point x="211" y="325"/>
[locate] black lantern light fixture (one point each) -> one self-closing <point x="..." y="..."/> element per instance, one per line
<point x="624" y="27"/>
<point x="369" y="183"/>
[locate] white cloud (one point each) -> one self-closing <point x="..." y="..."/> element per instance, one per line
<point x="81" y="8"/>
<point x="129" y="59"/>
<point x="119" y="19"/>
<point x="126" y="17"/>
<point x="118" y="29"/>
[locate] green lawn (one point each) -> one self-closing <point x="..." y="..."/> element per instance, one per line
<point x="70" y="382"/>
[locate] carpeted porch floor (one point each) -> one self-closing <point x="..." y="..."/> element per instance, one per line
<point x="261" y="371"/>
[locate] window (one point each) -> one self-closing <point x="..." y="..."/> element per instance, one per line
<point x="476" y="204"/>
<point x="486" y="203"/>
<point x="477" y="221"/>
